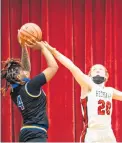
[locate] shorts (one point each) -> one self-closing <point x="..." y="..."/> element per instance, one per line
<point x="99" y="136"/>
<point x="32" y="135"/>
<point x="37" y="140"/>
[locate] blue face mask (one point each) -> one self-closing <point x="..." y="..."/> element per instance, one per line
<point x="98" y="79"/>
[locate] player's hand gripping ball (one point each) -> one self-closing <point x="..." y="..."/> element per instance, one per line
<point x="29" y="33"/>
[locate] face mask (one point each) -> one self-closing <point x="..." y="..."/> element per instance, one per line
<point x="98" y="79"/>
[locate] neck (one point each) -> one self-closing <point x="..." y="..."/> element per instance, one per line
<point x="101" y="85"/>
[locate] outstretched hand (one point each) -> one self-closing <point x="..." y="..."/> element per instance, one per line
<point x="50" y="48"/>
<point x="36" y="45"/>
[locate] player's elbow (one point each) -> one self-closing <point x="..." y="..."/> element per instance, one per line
<point x="55" y="68"/>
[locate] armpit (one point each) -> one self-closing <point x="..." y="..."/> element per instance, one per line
<point x="84" y="92"/>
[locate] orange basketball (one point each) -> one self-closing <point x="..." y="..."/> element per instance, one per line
<point x="30" y="30"/>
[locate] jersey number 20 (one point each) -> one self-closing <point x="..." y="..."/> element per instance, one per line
<point x="104" y="107"/>
<point x="20" y="103"/>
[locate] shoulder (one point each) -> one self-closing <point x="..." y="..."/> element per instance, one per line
<point x="109" y="88"/>
<point x="90" y="81"/>
<point x="84" y="92"/>
<point x="31" y="91"/>
<point x="16" y="90"/>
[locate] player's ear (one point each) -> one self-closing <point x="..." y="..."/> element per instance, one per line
<point x="107" y="76"/>
<point x="27" y="73"/>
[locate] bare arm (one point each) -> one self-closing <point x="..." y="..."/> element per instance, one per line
<point x="52" y="68"/>
<point x="80" y="77"/>
<point x="84" y="93"/>
<point x="117" y="94"/>
<point x="25" y="59"/>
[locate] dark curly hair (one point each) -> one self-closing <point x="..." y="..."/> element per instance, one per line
<point x="10" y="71"/>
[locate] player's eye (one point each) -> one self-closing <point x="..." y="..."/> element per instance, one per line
<point x="94" y="69"/>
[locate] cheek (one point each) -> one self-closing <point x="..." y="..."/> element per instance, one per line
<point x="93" y="74"/>
<point x="103" y="73"/>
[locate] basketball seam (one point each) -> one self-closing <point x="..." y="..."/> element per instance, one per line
<point x="30" y="34"/>
<point x="36" y="32"/>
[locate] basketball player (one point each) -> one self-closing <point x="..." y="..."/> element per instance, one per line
<point x="96" y="99"/>
<point x="28" y="94"/>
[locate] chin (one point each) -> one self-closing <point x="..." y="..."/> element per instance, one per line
<point x="99" y="75"/>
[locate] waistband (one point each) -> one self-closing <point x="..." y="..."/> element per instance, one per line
<point x="33" y="127"/>
<point x="99" y="128"/>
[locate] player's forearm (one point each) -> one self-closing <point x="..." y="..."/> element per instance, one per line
<point x="25" y="60"/>
<point x="117" y="94"/>
<point x="63" y="59"/>
<point x="80" y="77"/>
<point x="51" y="62"/>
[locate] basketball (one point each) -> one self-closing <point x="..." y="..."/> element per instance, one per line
<point x="31" y="31"/>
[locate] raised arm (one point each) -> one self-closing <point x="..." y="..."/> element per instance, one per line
<point x="52" y="68"/>
<point x="117" y="94"/>
<point x="52" y="65"/>
<point x="25" y="60"/>
<point x="80" y="77"/>
<point x="34" y="85"/>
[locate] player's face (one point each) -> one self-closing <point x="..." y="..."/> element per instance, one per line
<point x="98" y="70"/>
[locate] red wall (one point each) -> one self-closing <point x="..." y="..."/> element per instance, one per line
<point x="86" y="31"/>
